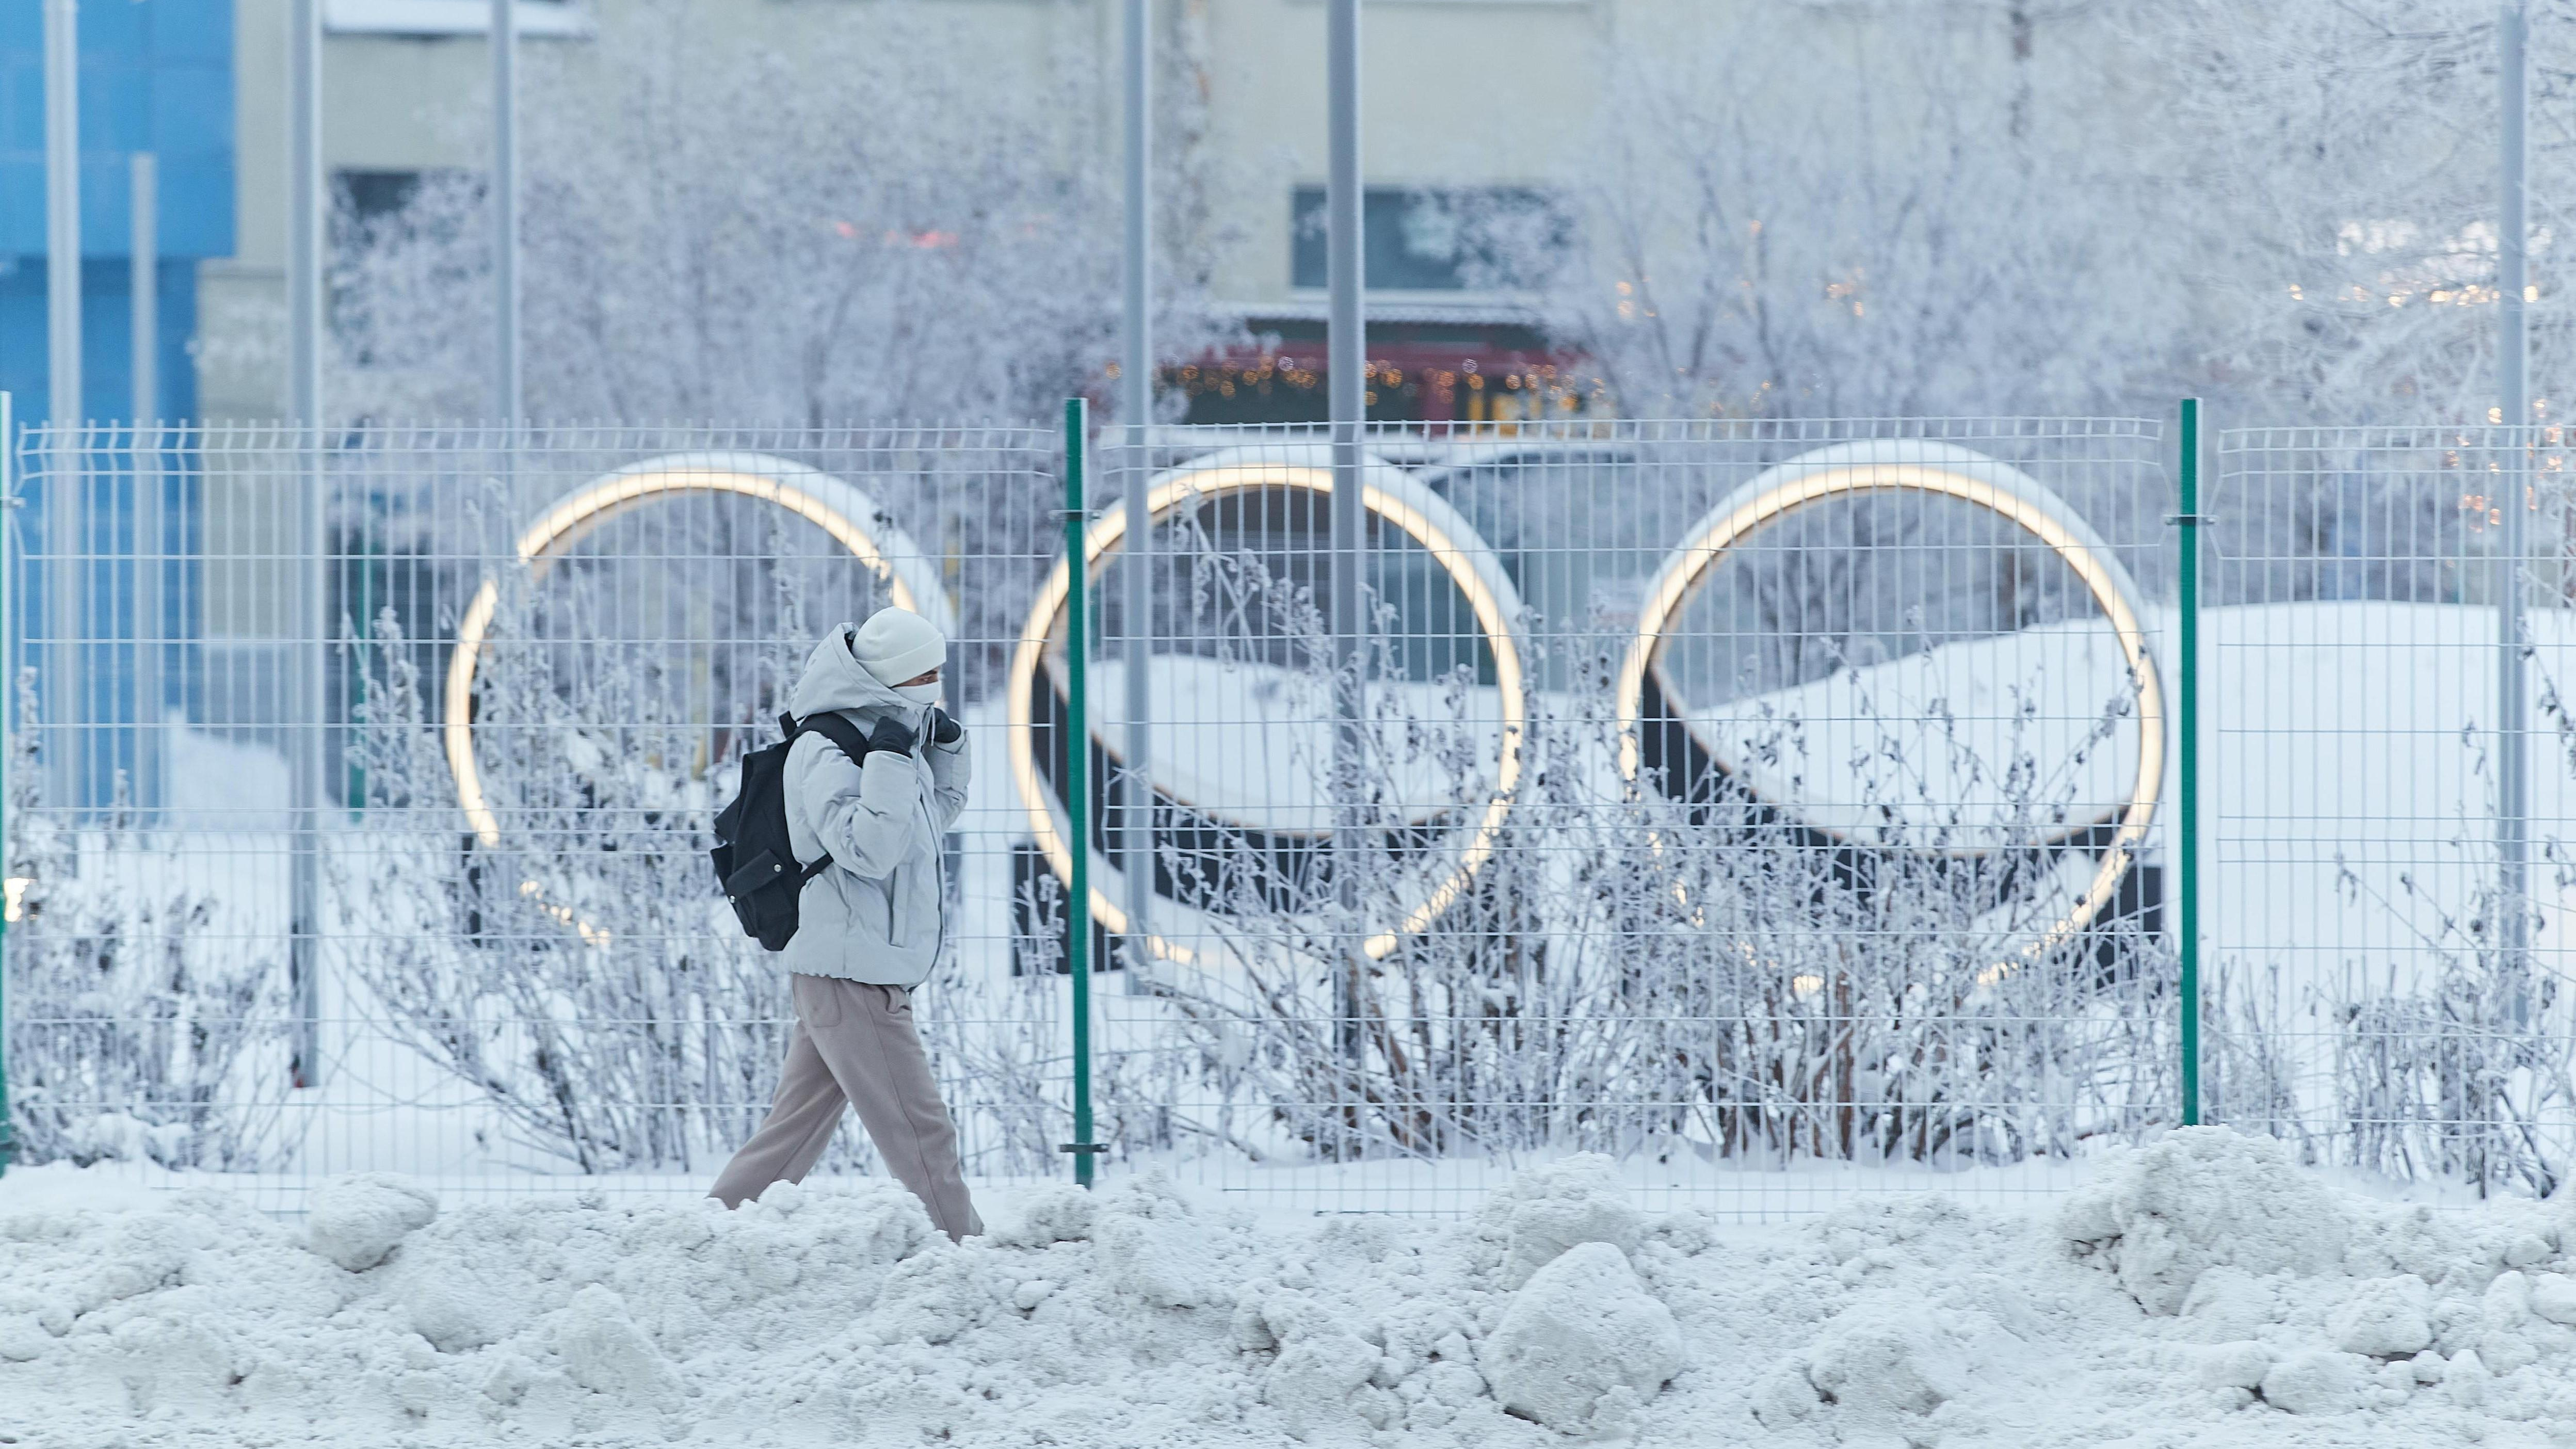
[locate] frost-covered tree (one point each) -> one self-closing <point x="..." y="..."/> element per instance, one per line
<point x="2326" y="179"/>
<point x="2026" y="207"/>
<point x="889" y="221"/>
<point x="1895" y="210"/>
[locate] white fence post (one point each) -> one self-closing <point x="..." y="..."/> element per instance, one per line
<point x="1347" y="379"/>
<point x="2513" y="687"/>
<point x="1136" y="822"/>
<point x="143" y="293"/>
<point x="306" y="536"/>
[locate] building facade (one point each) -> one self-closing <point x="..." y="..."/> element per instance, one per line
<point x="157" y="80"/>
<point x="197" y="547"/>
<point x="406" y="83"/>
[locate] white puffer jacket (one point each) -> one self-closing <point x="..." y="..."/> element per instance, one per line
<point x="879" y="914"/>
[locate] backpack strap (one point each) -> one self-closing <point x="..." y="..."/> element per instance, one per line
<point x="835" y="726"/>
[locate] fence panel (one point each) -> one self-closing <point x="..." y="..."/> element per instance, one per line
<point x="537" y="657"/>
<point x="1770" y="806"/>
<point x="1776" y="807"/>
<point x="2381" y="991"/>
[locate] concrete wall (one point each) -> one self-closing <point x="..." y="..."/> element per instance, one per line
<point x="1452" y="93"/>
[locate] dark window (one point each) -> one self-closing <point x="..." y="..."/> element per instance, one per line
<point x="368" y="197"/>
<point x="367" y="206"/>
<point x="1425" y="239"/>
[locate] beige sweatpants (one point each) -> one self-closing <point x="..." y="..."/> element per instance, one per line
<point x="854" y="1043"/>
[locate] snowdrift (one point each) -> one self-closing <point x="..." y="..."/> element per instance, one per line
<point x="2202" y="1289"/>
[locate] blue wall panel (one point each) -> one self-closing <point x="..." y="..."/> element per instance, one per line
<point x="155" y="75"/>
<point x="106" y="321"/>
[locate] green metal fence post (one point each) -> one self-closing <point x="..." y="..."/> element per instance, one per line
<point x="2187" y="850"/>
<point x="1077" y="781"/>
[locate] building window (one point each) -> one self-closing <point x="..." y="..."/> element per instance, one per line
<point x="1427" y="239"/>
<point x="366" y="199"/>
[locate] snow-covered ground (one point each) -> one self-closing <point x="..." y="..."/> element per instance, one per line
<point x="2201" y="1290"/>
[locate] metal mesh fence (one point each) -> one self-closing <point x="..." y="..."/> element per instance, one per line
<point x="2386" y="654"/>
<point x="1774" y="806"/>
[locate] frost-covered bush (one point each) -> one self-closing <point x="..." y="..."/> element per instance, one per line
<point x="581" y="973"/>
<point x="2466" y="1078"/>
<point x="1633" y="972"/>
<point x="138" y="1027"/>
<point x="2459" y="1063"/>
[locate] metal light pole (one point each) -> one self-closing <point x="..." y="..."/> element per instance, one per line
<point x="66" y="486"/>
<point x="304" y="215"/>
<point x="2513" y="748"/>
<point x="62" y="216"/>
<point x="1346" y="364"/>
<point x="1136" y="405"/>
<point x="505" y="213"/>
<point x="305" y="628"/>
<point x="143" y="280"/>
<point x="143" y="292"/>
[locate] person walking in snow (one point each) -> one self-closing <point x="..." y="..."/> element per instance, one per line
<point x="870" y="925"/>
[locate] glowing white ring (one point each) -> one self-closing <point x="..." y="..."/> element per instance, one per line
<point x="1428" y="520"/>
<point x="1951" y="472"/>
<point x="840" y="509"/>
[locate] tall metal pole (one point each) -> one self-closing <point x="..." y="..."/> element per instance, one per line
<point x="305" y="631"/>
<point x="8" y="499"/>
<point x="66" y="483"/>
<point x="507" y="399"/>
<point x="2187" y="788"/>
<point x="1346" y="371"/>
<point x="2513" y="762"/>
<point x="62" y="216"/>
<point x="1136" y="405"/>
<point x="1077" y="780"/>
<point x="304" y="215"/>
<point x="143" y="292"/>
<point x="143" y="280"/>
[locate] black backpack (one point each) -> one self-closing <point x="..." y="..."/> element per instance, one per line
<point x="754" y="863"/>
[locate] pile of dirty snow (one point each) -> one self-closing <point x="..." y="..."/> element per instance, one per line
<point x="2202" y="1290"/>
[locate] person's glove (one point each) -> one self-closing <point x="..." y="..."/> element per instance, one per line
<point x="892" y="734"/>
<point x="944" y="728"/>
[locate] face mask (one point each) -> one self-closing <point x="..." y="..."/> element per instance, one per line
<point x="918" y="693"/>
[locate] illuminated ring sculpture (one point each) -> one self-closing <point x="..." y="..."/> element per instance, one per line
<point x="1948" y="471"/>
<point x="840" y="509"/>
<point x="1394" y="497"/>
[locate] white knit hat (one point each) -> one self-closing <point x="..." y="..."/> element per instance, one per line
<point x="897" y="645"/>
